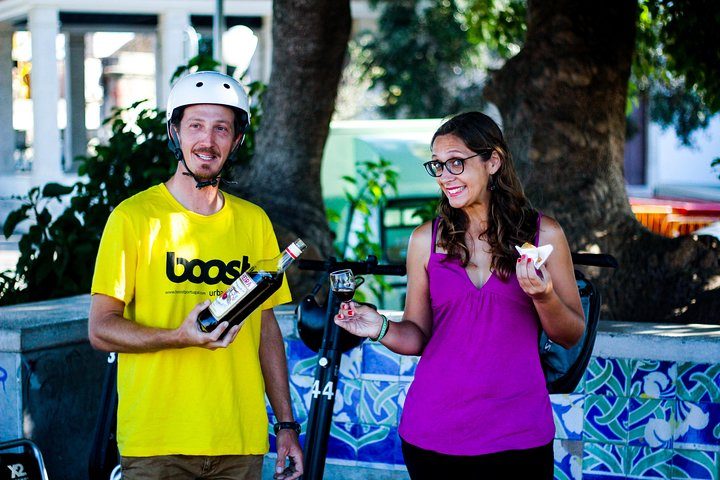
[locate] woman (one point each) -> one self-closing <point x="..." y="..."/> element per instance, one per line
<point x="473" y="310"/>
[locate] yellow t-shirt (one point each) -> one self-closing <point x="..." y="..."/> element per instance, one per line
<point x="162" y="260"/>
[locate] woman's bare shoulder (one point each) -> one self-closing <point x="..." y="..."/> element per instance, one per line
<point x="421" y="238"/>
<point x="550" y="230"/>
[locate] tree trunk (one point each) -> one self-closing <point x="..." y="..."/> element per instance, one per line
<point x="563" y="101"/>
<point x="309" y="45"/>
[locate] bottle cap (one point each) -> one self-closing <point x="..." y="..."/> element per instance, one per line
<point x="296" y="248"/>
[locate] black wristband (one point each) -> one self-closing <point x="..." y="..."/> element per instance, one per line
<point x="286" y="425"/>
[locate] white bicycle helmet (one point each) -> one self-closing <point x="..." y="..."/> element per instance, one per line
<point x="206" y="87"/>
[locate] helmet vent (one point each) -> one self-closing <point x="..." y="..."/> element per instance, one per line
<point x="199" y="84"/>
<point x="226" y="86"/>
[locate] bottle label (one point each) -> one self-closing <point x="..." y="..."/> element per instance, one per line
<point x="293" y="250"/>
<point x="240" y="288"/>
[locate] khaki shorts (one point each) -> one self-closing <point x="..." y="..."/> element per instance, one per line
<point x="181" y="467"/>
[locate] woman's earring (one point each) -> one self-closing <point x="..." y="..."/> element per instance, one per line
<point x="492" y="183"/>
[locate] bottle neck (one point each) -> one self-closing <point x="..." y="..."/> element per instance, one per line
<point x="284" y="261"/>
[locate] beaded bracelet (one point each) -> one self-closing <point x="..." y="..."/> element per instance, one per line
<point x="383" y="329"/>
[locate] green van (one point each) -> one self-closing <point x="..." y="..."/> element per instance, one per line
<point x="406" y="145"/>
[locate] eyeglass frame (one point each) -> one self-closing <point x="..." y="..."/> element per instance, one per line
<point x="443" y="165"/>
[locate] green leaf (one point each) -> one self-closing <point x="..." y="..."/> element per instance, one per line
<point x="349" y="179"/>
<point x="56" y="190"/>
<point x="13" y="218"/>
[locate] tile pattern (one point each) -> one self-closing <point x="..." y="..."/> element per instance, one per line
<point x="628" y="418"/>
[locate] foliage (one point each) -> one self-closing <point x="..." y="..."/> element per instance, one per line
<point x="676" y="56"/>
<point x="680" y="93"/>
<point x="57" y="255"/>
<point x="380" y="178"/>
<point x="421" y="59"/>
<point x="428" y="211"/>
<point x="198" y="63"/>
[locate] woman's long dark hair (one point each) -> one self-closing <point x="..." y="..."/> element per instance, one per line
<point x="511" y="219"/>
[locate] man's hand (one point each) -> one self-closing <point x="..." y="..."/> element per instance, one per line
<point x="289" y="463"/>
<point x="190" y="335"/>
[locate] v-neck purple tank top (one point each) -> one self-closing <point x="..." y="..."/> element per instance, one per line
<point x="479" y="387"/>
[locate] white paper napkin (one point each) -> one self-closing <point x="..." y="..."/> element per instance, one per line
<point x="537" y="254"/>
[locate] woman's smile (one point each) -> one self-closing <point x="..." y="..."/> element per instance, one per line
<point x="455" y="190"/>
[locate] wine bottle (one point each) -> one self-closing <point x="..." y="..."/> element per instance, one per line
<point x="249" y="290"/>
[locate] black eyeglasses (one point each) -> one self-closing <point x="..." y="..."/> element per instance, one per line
<point x="456" y="166"/>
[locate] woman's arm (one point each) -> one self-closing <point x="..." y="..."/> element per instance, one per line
<point x="408" y="336"/>
<point x="554" y="291"/>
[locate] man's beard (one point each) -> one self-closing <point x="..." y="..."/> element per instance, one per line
<point x="207" y="172"/>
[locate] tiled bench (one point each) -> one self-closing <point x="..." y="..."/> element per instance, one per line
<point x="648" y="407"/>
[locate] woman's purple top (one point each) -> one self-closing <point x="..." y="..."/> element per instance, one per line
<point x="479" y="387"/>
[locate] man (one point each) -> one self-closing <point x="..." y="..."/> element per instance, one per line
<point x="191" y="405"/>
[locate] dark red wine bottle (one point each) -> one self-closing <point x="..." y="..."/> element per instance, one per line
<point x="249" y="290"/>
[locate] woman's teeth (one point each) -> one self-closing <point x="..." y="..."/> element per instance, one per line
<point x="454" y="191"/>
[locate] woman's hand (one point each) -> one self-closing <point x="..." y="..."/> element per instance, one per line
<point x="536" y="283"/>
<point x="359" y="320"/>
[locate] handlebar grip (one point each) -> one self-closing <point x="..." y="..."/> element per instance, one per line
<point x="595" y="260"/>
<point x="395" y="270"/>
<point x="315" y="265"/>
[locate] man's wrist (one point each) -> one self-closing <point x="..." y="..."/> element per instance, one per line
<point x="286" y="426"/>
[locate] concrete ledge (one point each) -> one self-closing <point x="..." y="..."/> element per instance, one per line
<point x="34" y="326"/>
<point x="52" y="323"/>
<point x="649" y="341"/>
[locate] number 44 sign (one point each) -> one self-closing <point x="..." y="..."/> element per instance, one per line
<point x="326" y="391"/>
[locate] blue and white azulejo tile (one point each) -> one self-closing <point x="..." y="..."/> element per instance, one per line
<point x="378" y="444"/>
<point x="568" y="460"/>
<point x="347" y="401"/>
<point x="300" y="359"/>
<point x="608" y="376"/>
<point x="695" y="465"/>
<point x="698" y="426"/>
<point x="603" y="461"/>
<point x="605" y="419"/>
<point x="379" y="404"/>
<point x="568" y="415"/>
<point x="699" y="382"/>
<point x="342" y="443"/>
<point x="651" y="422"/>
<point x="653" y="379"/>
<point x="648" y="463"/>
<point x="379" y="363"/>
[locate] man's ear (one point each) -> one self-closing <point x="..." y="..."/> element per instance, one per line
<point x="239" y="141"/>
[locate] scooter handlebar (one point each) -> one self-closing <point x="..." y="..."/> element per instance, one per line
<point x="369" y="267"/>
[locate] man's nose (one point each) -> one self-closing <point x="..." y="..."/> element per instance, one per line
<point x="208" y="136"/>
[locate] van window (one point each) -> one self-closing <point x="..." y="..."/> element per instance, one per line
<point x="399" y="219"/>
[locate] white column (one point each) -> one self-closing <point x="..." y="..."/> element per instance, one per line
<point x="265" y="47"/>
<point x="7" y="133"/>
<point x="75" y="132"/>
<point x="43" y="23"/>
<point x="171" y="36"/>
